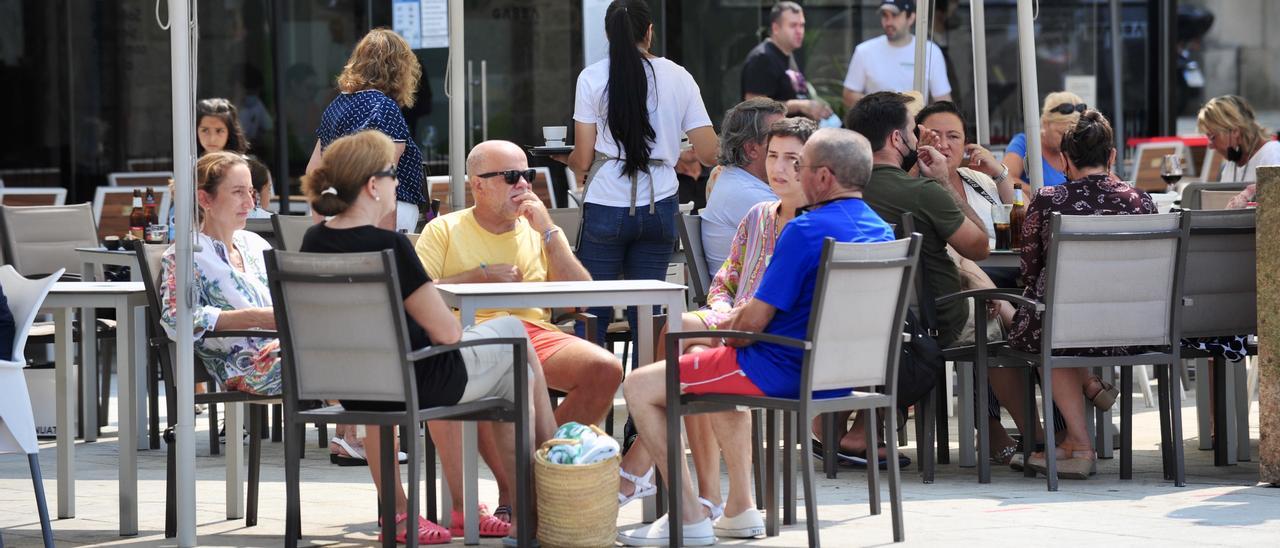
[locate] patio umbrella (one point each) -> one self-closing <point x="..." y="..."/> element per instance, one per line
<point x="182" y="67"/>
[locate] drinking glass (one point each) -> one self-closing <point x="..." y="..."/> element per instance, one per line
<point x="1171" y="170"/>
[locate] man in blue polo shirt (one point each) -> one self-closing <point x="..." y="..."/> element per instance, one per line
<point x="835" y="166"/>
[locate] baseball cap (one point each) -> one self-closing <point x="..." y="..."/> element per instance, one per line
<point x="899" y="6"/>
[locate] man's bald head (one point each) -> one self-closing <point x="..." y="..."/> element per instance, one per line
<point x="846" y="153"/>
<point x="486" y="155"/>
<point x="493" y="194"/>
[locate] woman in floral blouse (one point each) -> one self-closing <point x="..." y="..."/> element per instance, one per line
<point x="230" y="280"/>
<point x="1093" y="190"/>
<point x="733" y="285"/>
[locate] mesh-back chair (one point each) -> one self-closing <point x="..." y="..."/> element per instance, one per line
<point x="318" y="297"/>
<point x="17" y="425"/>
<point x="859" y="304"/>
<point x="691" y="240"/>
<point x="1113" y="281"/>
<point x="289" y="230"/>
<point x="1221" y="288"/>
<point x="264" y="227"/>
<point x="1192" y="193"/>
<point x="150" y="271"/>
<point x="42" y="239"/>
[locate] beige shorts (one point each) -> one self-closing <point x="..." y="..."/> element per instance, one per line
<point x="489" y="367"/>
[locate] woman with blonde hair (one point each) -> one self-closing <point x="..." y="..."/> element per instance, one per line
<point x="379" y="79"/>
<point x="1234" y="132"/>
<point x="354" y="187"/>
<point x="1061" y="111"/>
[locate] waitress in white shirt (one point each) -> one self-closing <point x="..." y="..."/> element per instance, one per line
<point x="1234" y="132"/>
<point x="630" y="112"/>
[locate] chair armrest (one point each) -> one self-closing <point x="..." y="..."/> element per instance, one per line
<point x="996" y="294"/>
<point x="238" y="333"/>
<point x="427" y="352"/>
<point x="729" y="334"/>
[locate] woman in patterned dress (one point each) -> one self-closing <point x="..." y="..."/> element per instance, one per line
<point x="734" y="284"/>
<point x="230" y="280"/>
<point x="1092" y="190"/>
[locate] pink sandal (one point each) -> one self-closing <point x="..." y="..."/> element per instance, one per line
<point x="428" y="532"/>
<point x="490" y="526"/>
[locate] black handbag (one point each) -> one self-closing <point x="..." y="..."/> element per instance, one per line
<point x="920" y="365"/>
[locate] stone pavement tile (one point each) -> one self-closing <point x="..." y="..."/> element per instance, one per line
<point x="1219" y="506"/>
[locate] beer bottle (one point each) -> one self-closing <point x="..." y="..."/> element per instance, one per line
<point x="1017" y="215"/>
<point x="137" y="217"/>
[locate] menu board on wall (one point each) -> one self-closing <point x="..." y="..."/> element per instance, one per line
<point x="423" y="23"/>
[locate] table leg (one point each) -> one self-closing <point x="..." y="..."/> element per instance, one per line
<point x="470" y="492"/>
<point x="470" y="469"/>
<point x="645" y="338"/>
<point x="234" y="424"/>
<point x="89" y="374"/>
<point x="88" y="427"/>
<point x="66" y="388"/>
<point x="128" y="350"/>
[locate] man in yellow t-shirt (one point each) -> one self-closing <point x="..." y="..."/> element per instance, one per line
<point x="508" y="236"/>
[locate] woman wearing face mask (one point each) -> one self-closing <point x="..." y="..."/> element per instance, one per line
<point x="1234" y="132"/>
<point x="1059" y="115"/>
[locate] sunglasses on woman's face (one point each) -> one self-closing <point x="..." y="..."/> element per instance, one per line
<point x="1068" y="108"/>
<point x="512" y="176"/>
<point x="389" y="172"/>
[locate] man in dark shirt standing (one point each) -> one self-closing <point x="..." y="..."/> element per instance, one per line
<point x="771" y="70"/>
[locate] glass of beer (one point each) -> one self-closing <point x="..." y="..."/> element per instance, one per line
<point x="1000" y="218"/>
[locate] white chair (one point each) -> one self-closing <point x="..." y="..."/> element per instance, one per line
<point x="140" y="178"/>
<point x="112" y="205"/>
<point x="17" y="425"/>
<point x="33" y="196"/>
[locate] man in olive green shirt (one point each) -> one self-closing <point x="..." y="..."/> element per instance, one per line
<point x="939" y="216"/>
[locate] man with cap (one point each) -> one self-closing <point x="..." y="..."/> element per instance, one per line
<point x="887" y="63"/>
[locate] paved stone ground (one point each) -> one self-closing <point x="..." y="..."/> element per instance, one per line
<point x="1219" y="506"/>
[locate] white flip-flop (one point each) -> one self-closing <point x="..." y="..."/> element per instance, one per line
<point x="354" y="456"/>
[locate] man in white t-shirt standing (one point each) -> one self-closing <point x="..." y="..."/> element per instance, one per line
<point x="887" y="63"/>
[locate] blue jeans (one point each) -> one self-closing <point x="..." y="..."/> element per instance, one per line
<point x="615" y="244"/>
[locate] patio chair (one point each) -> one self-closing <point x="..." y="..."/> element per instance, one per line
<point x="1221" y="289"/>
<point x="1193" y="198"/>
<point x="289" y="230"/>
<point x="318" y="297"/>
<point x="43" y="239"/>
<point x="877" y="278"/>
<point x="149" y="256"/>
<point x="1084" y="307"/>
<point x="17" y="425"/>
<point x="695" y="260"/>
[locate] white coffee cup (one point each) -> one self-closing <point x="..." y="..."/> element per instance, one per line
<point x="555" y="135"/>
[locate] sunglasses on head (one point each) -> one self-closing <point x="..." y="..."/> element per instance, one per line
<point x="511" y="176"/>
<point x="389" y="172"/>
<point x="1068" y="108"/>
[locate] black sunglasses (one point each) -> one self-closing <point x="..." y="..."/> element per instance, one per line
<point x="1068" y="108"/>
<point x="389" y="172"/>
<point x="512" y="176"/>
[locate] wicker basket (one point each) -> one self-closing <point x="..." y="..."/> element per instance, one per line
<point x="577" y="503"/>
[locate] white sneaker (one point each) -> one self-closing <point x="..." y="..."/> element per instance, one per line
<point x="749" y="524"/>
<point x="656" y="534"/>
